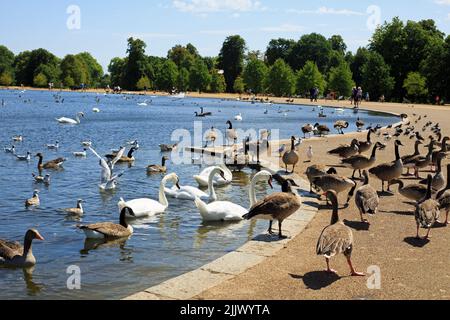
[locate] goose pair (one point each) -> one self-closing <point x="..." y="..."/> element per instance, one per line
<point x="109" y="230"/>
<point x="54" y="164"/>
<point x="360" y="162"/>
<point x="346" y="151"/>
<point x="291" y="157"/>
<point x="15" y="255"/>
<point x="389" y="171"/>
<point x="427" y="212"/>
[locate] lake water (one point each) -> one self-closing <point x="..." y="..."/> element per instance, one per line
<point x="162" y="247"/>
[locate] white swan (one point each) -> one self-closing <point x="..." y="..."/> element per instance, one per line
<point x="202" y="177"/>
<point x="65" y="120"/>
<point x="147" y="207"/>
<point x="190" y="193"/>
<point x="238" y="117"/>
<point x="226" y="210"/>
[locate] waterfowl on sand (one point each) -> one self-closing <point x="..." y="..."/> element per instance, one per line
<point x="360" y="162"/>
<point x="15" y="255"/>
<point x="421" y="162"/>
<point x="307" y="129"/>
<point x="321" y="130"/>
<point x="365" y="146"/>
<point x="334" y="182"/>
<point x="291" y="157"/>
<point x="336" y="238"/>
<point x="427" y="211"/>
<point x="366" y="198"/>
<point x="154" y="168"/>
<point x="315" y="171"/>
<point x="407" y="159"/>
<point x="438" y="181"/>
<point x="414" y="192"/>
<point x="346" y="151"/>
<point x="443" y="197"/>
<point x="109" y="230"/>
<point x="34" y="201"/>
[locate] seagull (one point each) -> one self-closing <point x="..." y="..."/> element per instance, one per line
<point x="27" y="157"/>
<point x="298" y="144"/>
<point x="10" y="150"/>
<point x="238" y="117"/>
<point x="53" y="146"/>
<point x="86" y="143"/>
<point x="42" y="179"/>
<point x="18" y="138"/>
<point x="80" y="154"/>
<point x="310" y="153"/>
<point x="107" y="180"/>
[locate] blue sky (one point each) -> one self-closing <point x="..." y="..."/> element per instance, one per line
<point x="106" y="24"/>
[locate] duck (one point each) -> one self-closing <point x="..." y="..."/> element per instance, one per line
<point x="26" y="157"/>
<point x="334" y="182"/>
<point x="53" y="146"/>
<point x="443" y="197"/>
<point x="54" y="164"/>
<point x="109" y="230"/>
<point x="360" y="162"/>
<point x="34" y="201"/>
<point x="407" y="159"/>
<point x="12" y="149"/>
<point x="315" y="171"/>
<point x="365" y="146"/>
<point x="346" y="151"/>
<point x="203" y="177"/>
<point x="277" y="206"/>
<point x="340" y="125"/>
<point x="15" y="255"/>
<point x="65" y="120"/>
<point x="81" y="154"/>
<point x="154" y="168"/>
<point x="421" y="162"/>
<point x="238" y="117"/>
<point x="321" y="130"/>
<point x="41" y="179"/>
<point x="145" y="207"/>
<point x="389" y="171"/>
<point x="438" y="181"/>
<point x="336" y="238"/>
<point x="78" y="211"/>
<point x="191" y="193"/>
<point x="18" y="138"/>
<point x="427" y="211"/>
<point x="307" y="129"/>
<point x="291" y="157"/>
<point x="366" y="198"/>
<point x="231" y="133"/>
<point x="360" y="124"/>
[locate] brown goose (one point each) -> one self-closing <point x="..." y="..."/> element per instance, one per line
<point x="109" y="230"/>
<point x="15" y="255"/>
<point x="444" y="197"/>
<point x="414" y="192"/>
<point x="154" y="168"/>
<point x="427" y="211"/>
<point x="436" y="154"/>
<point x="389" y="171"/>
<point x="78" y="211"/>
<point x="360" y="162"/>
<point x="346" y="151"/>
<point x="438" y="179"/>
<point x="315" y="171"/>
<point x="421" y="162"/>
<point x="124" y="159"/>
<point x="340" y="125"/>
<point x="307" y="129"/>
<point x="336" y="238"/>
<point x="416" y="154"/>
<point x="365" y="146"/>
<point x="321" y="130"/>
<point x="54" y="164"/>
<point x="333" y="182"/>
<point x="366" y="198"/>
<point x="291" y="157"/>
<point x="277" y="206"/>
<point x="360" y="124"/>
<point x="34" y="201"/>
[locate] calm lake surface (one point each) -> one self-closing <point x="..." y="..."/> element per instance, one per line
<point x="163" y="246"/>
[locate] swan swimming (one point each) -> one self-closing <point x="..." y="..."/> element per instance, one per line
<point x="202" y="178"/>
<point x="65" y="120"/>
<point x="146" y="207"/>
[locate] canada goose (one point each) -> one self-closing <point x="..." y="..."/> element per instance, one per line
<point x="315" y="171"/>
<point x="15" y="255"/>
<point x="340" y="125"/>
<point x="436" y="154"/>
<point x="26" y="157"/>
<point x="109" y="230"/>
<point x="211" y="136"/>
<point x="444" y="197"/>
<point x="360" y="124"/>
<point x="18" y="138"/>
<point x="438" y="181"/>
<point x="336" y="238"/>
<point x="360" y="162"/>
<point x="407" y="159"/>
<point x="334" y="182"/>
<point x="389" y="171"/>
<point x="53" y="146"/>
<point x="414" y="192"/>
<point x="365" y="146"/>
<point x="128" y="158"/>
<point x="12" y="149"/>
<point x="168" y="147"/>
<point x="34" y="201"/>
<point x="41" y="179"/>
<point x="421" y="162"/>
<point x="154" y="168"/>
<point x="366" y="198"/>
<point x="321" y="130"/>
<point x="82" y="154"/>
<point x="231" y="133"/>
<point x="291" y="157"/>
<point x="54" y="164"/>
<point x="427" y="211"/>
<point x="277" y="206"/>
<point x="307" y="129"/>
<point x="78" y="211"/>
<point x="65" y="120"/>
<point x="346" y="151"/>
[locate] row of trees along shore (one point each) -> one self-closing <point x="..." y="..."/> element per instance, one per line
<point x="403" y="61"/>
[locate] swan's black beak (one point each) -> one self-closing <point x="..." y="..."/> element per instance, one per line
<point x="270" y="182"/>
<point x="222" y="174"/>
<point x="178" y="185"/>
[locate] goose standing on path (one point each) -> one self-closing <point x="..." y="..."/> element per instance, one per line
<point x="444" y="197"/>
<point x="365" y="146"/>
<point x="389" y="171"/>
<point x="421" y="162"/>
<point x="277" y="206"/>
<point x="316" y="171"/>
<point x="340" y="125"/>
<point x="34" y="201"/>
<point x="427" y="211"/>
<point x="360" y="162"/>
<point x="231" y="133"/>
<point x="307" y="129"/>
<point x="15" y="255"/>
<point x="54" y="164"/>
<point x="335" y="183"/>
<point x="414" y="192"/>
<point x="154" y="168"/>
<point x="436" y="154"/>
<point x="321" y="130"/>
<point x="78" y="211"/>
<point x="65" y="120"/>
<point x="291" y="157"/>
<point x="346" y="151"/>
<point x="336" y="238"/>
<point x="407" y="159"/>
<point x="366" y="198"/>
<point x="438" y="181"/>
<point x="109" y="230"/>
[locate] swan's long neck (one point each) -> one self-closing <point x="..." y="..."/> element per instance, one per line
<point x="77" y="118"/>
<point x="162" y="194"/>
<point x="211" y="189"/>
<point x="252" y="193"/>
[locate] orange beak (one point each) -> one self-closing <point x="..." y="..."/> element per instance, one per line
<point x="39" y="237"/>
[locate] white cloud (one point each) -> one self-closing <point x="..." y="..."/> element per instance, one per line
<point x="284" y="28"/>
<point x="326" y="10"/>
<point x="443" y="2"/>
<point x="204" y="6"/>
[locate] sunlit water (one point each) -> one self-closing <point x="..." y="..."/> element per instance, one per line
<point x="162" y="247"/>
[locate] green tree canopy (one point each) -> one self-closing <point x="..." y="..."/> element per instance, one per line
<point x="239" y="85"/>
<point x="341" y="80"/>
<point x="359" y="59"/>
<point x="40" y="80"/>
<point x="218" y="84"/>
<point x="6" y="65"/>
<point x="116" y="68"/>
<point x="376" y="76"/>
<point x="281" y="79"/>
<point x="29" y="64"/>
<point x="311" y="47"/>
<point x="135" y="65"/>
<point x="255" y="74"/>
<point x="93" y="68"/>
<point x="73" y="67"/>
<point x="310" y="77"/>
<point x="338" y="44"/>
<point x="143" y="84"/>
<point x="199" y="77"/>
<point x="183" y="80"/>
<point x="167" y="76"/>
<point x="231" y="59"/>
<point x="416" y="86"/>
<point x="279" y="49"/>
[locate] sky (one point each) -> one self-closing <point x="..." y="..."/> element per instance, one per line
<point x="101" y="27"/>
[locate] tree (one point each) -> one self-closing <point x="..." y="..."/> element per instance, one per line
<point x="40" y="80"/>
<point x="135" y="64"/>
<point x="376" y="76"/>
<point x="29" y="64"/>
<point x="199" y="77"/>
<point x="416" y="86"/>
<point x="231" y="59"/>
<point x="239" y="85"/>
<point x="281" y="79"/>
<point x="255" y="74"/>
<point x="310" y="77"/>
<point x="360" y="58"/>
<point x="218" y="84"/>
<point x="6" y="79"/>
<point x="93" y="68"/>
<point x="74" y="68"/>
<point x="116" y="69"/>
<point x="338" y="44"/>
<point x="279" y="49"/>
<point x="167" y="76"/>
<point x="341" y="80"/>
<point x="436" y="67"/>
<point x="182" y="57"/>
<point x="311" y="47"/>
<point x="6" y="65"/>
<point x="143" y="84"/>
<point x="183" y="80"/>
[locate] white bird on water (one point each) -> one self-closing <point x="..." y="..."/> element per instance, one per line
<point x="107" y="180"/>
<point x="53" y="146"/>
<point x="65" y="120"/>
<point x="238" y="117"/>
<point x="10" y="150"/>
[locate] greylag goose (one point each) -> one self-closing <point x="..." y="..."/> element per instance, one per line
<point x="315" y="171"/>
<point x="366" y="198"/>
<point x="389" y="171"/>
<point x="444" y="197"/>
<point x="360" y="162"/>
<point x="438" y="179"/>
<point x="346" y="151"/>
<point x="33" y="201"/>
<point x="15" y="255"/>
<point x="336" y="238"/>
<point x="54" y="164"/>
<point x="154" y="168"/>
<point x="427" y="211"/>
<point x="291" y="157"/>
<point x="407" y="159"/>
<point x="109" y="230"/>
<point x="78" y="211"/>
<point x="307" y="129"/>
<point x="277" y="206"/>
<point x="340" y="125"/>
<point x="365" y="146"/>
